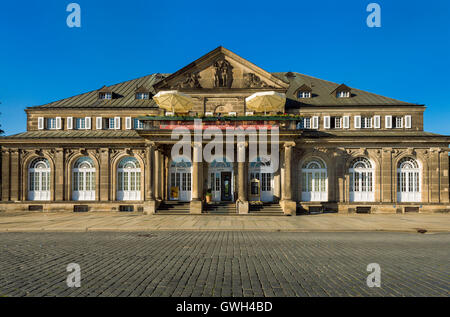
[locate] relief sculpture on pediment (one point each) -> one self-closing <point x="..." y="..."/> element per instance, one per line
<point x="223" y="76"/>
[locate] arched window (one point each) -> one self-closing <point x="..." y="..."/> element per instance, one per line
<point x="314" y="180"/>
<point x="408" y="180"/>
<point x="128" y="179"/>
<point x="83" y="179"/>
<point x="362" y="180"/>
<point x="39" y="180"/>
<point x="261" y="179"/>
<point x="180" y="171"/>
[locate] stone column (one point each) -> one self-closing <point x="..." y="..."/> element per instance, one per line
<point x="287" y="204"/>
<point x="15" y="175"/>
<point x="157" y="173"/>
<point x="104" y="175"/>
<point x="5" y="175"/>
<point x="242" y="204"/>
<point x="197" y="179"/>
<point x="434" y="175"/>
<point x="386" y="175"/>
<point x="59" y="174"/>
<point x="443" y="168"/>
<point x="149" y="203"/>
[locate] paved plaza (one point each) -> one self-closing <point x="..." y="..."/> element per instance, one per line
<point x="124" y="221"/>
<point x="224" y="263"/>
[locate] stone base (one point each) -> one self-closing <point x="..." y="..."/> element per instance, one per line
<point x="242" y="207"/>
<point x="150" y="207"/>
<point x="289" y="207"/>
<point x="196" y="207"/>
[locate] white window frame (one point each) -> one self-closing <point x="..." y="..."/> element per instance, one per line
<point x="315" y="122"/>
<point x="366" y="122"/>
<point x="99" y="123"/>
<point x="398" y="122"/>
<point x="80" y="124"/>
<point x="337" y="122"/>
<point x="408" y="122"/>
<point x="304" y="94"/>
<point x="40" y="123"/>
<point x="388" y="122"/>
<point x="127" y="123"/>
<point x="376" y="122"/>
<point x="105" y="95"/>
<point x="346" y="122"/>
<point x="138" y="124"/>
<point x="326" y="122"/>
<point x="142" y="96"/>
<point x="69" y="123"/>
<point x="357" y="122"/>
<point x="117" y="123"/>
<point x="50" y="123"/>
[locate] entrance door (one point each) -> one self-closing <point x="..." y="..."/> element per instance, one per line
<point x="226" y="186"/>
<point x="180" y="185"/>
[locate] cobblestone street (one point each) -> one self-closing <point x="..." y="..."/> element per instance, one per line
<point x="224" y="263"/>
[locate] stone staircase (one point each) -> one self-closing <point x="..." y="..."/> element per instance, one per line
<point x="220" y="208"/>
<point x="173" y="208"/>
<point x="266" y="209"/>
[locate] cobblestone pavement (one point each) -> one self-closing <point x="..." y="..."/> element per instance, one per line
<point x="224" y="263"/>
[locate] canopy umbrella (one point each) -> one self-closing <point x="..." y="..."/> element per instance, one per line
<point x="266" y="101"/>
<point x="173" y="100"/>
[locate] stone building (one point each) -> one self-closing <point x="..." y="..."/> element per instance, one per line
<point x="340" y="149"/>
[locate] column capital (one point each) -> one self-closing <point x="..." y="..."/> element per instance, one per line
<point x="149" y="143"/>
<point x="289" y="144"/>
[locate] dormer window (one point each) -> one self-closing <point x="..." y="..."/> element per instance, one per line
<point x="304" y="91"/>
<point x="142" y="95"/>
<point x="343" y="94"/>
<point x="105" y="95"/>
<point x="342" y="91"/>
<point x="304" y="94"/>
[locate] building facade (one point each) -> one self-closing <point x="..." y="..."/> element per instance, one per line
<point x="338" y="148"/>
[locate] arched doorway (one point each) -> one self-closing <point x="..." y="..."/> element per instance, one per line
<point x="221" y="179"/>
<point x="83" y="179"/>
<point x="180" y="172"/>
<point x="260" y="172"/>
<point x="39" y="180"/>
<point x="408" y="180"/>
<point x="128" y="179"/>
<point x="314" y="178"/>
<point x="361" y="185"/>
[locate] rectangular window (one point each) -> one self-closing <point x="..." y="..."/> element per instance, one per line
<point x="110" y="124"/>
<point x="80" y="123"/>
<point x="105" y="95"/>
<point x="51" y="123"/>
<point x="336" y="123"/>
<point x="398" y="122"/>
<point x="137" y="124"/>
<point x="366" y="122"/>
<point x="304" y="123"/>
<point x="142" y="95"/>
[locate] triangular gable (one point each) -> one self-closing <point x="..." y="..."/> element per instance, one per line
<point x="222" y="69"/>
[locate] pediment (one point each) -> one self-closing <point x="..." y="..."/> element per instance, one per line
<point x="222" y="69"/>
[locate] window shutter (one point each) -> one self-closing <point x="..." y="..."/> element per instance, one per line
<point x="346" y="123"/>
<point x="117" y="123"/>
<point x="58" y="123"/>
<point x="69" y="123"/>
<point x="315" y="123"/>
<point x="128" y="123"/>
<point x="376" y="122"/>
<point x="88" y="123"/>
<point x="388" y="122"/>
<point x="326" y="122"/>
<point x="40" y="123"/>
<point x="408" y="122"/>
<point x="357" y="122"/>
<point x="98" y="123"/>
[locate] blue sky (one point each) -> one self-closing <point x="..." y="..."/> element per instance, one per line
<point x="42" y="60"/>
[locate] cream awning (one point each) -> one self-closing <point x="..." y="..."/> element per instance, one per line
<point x="266" y="101"/>
<point x="175" y="101"/>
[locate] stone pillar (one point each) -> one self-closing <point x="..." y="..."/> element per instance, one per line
<point x="15" y="175"/>
<point x="434" y="175"/>
<point x="443" y="168"/>
<point x="59" y="174"/>
<point x="157" y="173"/>
<point x="242" y="204"/>
<point x="149" y="203"/>
<point x="104" y="175"/>
<point x="386" y="176"/>
<point x="287" y="204"/>
<point x="5" y="175"/>
<point x="196" y="206"/>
